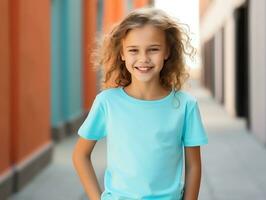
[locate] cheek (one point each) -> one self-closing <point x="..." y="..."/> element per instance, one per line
<point x="160" y="62"/>
<point x="129" y="64"/>
<point x="129" y="60"/>
<point x="159" y="59"/>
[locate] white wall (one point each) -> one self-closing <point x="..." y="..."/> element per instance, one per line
<point x="218" y="56"/>
<point x="257" y="38"/>
<point x="229" y="66"/>
<point x="220" y="14"/>
<point x="216" y="15"/>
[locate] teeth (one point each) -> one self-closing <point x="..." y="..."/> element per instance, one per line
<point x="143" y="68"/>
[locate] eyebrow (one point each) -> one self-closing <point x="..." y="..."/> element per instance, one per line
<point x="153" y="45"/>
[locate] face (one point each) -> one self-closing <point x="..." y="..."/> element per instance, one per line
<point x="144" y="51"/>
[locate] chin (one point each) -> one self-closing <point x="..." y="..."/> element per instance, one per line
<point x="143" y="79"/>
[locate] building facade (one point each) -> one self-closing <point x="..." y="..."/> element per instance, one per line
<point x="233" y="47"/>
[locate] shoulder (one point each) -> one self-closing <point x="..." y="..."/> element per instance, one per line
<point x="186" y="97"/>
<point x="106" y="94"/>
<point x="103" y="97"/>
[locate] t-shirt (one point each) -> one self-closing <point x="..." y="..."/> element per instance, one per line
<point x="145" y="142"/>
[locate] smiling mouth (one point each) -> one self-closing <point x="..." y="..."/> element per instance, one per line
<point x="143" y="69"/>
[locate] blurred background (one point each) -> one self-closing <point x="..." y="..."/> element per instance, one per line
<point x="47" y="87"/>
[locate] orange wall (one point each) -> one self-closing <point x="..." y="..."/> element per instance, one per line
<point x="140" y="3"/>
<point x="89" y="76"/>
<point x="30" y="76"/>
<point x="4" y="88"/>
<point x="114" y="11"/>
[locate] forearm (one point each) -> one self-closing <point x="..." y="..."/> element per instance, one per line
<point x="192" y="182"/>
<point x="88" y="177"/>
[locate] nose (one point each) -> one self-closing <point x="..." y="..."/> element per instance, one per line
<point x="144" y="57"/>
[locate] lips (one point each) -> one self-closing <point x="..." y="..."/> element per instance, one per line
<point x="143" y="68"/>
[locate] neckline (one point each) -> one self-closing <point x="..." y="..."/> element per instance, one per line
<point x="136" y="100"/>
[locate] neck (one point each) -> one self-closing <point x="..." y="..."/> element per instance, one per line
<point x="146" y="91"/>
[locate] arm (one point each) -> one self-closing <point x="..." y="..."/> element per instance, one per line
<point x="82" y="162"/>
<point x="192" y="172"/>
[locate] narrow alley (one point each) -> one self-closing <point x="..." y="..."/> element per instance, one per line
<point x="48" y="83"/>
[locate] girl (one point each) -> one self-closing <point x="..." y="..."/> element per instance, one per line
<point x="147" y="120"/>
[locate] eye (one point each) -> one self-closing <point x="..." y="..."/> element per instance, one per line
<point x="154" y="49"/>
<point x="133" y="50"/>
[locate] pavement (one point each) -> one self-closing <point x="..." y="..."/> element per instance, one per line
<point x="234" y="162"/>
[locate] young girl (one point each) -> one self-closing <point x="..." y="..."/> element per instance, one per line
<point x="146" y="118"/>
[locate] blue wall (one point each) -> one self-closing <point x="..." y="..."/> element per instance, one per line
<point x="72" y="61"/>
<point x="100" y="11"/>
<point x="56" y="83"/>
<point x="66" y="60"/>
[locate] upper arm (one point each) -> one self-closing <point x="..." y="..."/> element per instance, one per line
<point x="84" y="147"/>
<point x="192" y="156"/>
<point x="194" y="133"/>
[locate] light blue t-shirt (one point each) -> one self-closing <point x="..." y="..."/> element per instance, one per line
<point x="145" y="141"/>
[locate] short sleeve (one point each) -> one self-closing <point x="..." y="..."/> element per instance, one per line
<point x="194" y="133"/>
<point x="94" y="126"/>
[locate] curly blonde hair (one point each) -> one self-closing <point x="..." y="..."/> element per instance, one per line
<point x="108" y="58"/>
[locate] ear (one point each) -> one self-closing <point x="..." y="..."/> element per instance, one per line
<point x="122" y="55"/>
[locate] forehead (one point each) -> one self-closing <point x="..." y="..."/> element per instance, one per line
<point x="145" y="35"/>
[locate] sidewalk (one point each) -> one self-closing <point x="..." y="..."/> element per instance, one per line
<point x="234" y="162"/>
